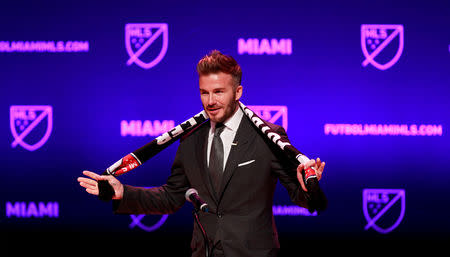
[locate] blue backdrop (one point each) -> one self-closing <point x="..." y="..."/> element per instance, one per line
<point x="308" y="57"/>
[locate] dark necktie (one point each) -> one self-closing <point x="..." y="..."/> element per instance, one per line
<point x="216" y="157"/>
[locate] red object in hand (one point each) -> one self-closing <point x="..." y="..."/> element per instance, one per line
<point x="124" y="165"/>
<point x="309" y="174"/>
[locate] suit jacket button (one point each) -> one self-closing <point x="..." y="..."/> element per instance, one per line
<point x="219" y="215"/>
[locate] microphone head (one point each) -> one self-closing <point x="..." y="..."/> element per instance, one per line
<point x="189" y="192"/>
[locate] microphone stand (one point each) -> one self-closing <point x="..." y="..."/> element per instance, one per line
<point x="205" y="236"/>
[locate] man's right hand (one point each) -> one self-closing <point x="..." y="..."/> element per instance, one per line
<point x="91" y="185"/>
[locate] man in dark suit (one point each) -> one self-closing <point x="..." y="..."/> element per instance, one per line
<point x="230" y="163"/>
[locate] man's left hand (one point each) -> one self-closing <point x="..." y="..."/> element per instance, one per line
<point x="317" y="164"/>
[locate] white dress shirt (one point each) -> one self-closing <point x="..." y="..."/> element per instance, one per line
<point x="227" y="135"/>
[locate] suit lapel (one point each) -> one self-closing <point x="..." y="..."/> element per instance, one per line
<point x="201" y="151"/>
<point x="244" y="135"/>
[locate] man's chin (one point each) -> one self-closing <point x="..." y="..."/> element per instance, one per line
<point x="217" y="119"/>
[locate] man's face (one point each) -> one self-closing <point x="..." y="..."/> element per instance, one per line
<point x="219" y="98"/>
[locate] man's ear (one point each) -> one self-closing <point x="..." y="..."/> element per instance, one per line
<point x="238" y="92"/>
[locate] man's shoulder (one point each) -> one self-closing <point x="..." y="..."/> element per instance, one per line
<point x="276" y="127"/>
<point x="272" y="126"/>
<point x="195" y="132"/>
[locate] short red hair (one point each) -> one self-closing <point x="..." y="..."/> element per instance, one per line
<point x="216" y="62"/>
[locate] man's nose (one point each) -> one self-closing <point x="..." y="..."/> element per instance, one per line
<point x="212" y="99"/>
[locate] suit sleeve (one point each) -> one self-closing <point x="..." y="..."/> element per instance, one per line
<point x="286" y="171"/>
<point x="165" y="199"/>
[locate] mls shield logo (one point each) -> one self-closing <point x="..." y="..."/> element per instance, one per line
<point x="137" y="221"/>
<point x="146" y="43"/>
<point x="382" y="45"/>
<point x="276" y="114"/>
<point x="31" y="125"/>
<point x="383" y="209"/>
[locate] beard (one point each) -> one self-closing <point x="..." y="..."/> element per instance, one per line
<point x="221" y="113"/>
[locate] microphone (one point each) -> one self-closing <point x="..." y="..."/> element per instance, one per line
<point x="193" y="197"/>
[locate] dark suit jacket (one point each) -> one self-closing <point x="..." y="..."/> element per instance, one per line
<point x="241" y="213"/>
